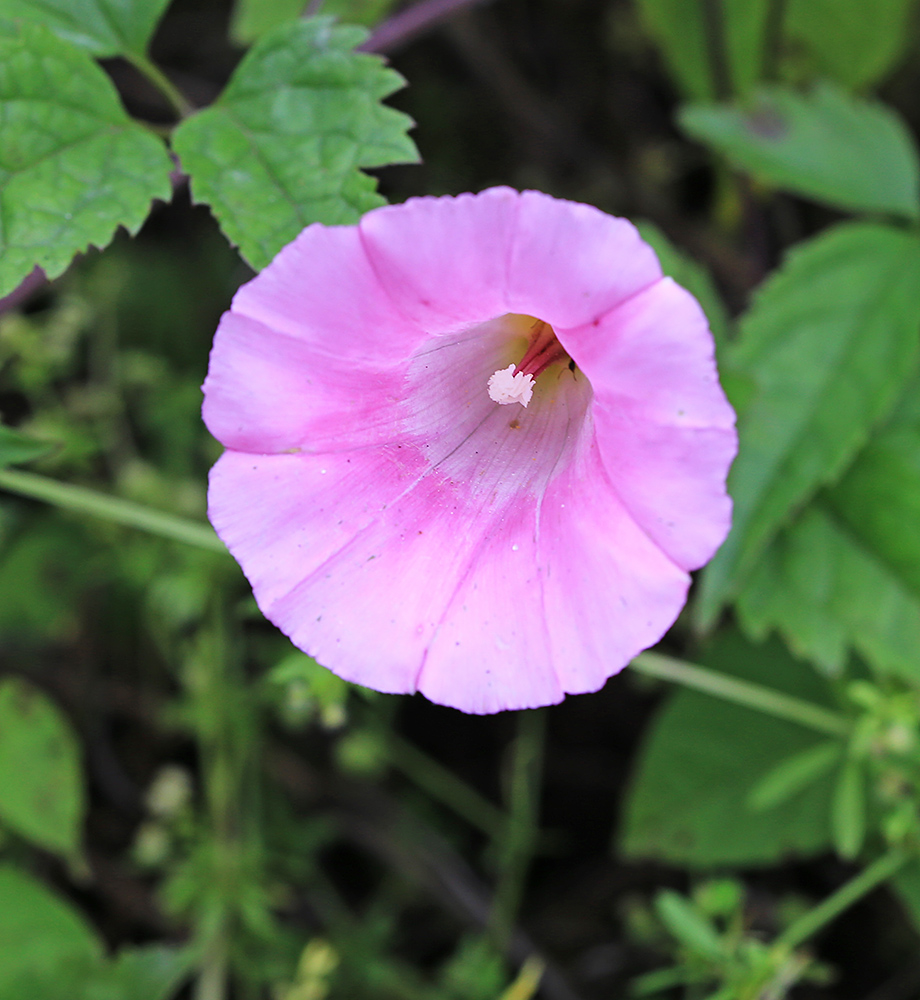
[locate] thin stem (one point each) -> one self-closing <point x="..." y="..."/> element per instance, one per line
<point x="522" y="828"/>
<point x="783" y="706"/>
<point x="879" y="871"/>
<point x="161" y="81"/>
<point x="445" y="786"/>
<point x="108" y="508"/>
<point x="773" y="39"/>
<point x="406" y="25"/>
<point x="717" y="48"/>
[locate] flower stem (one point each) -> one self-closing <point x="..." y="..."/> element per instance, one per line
<point x="879" y="871"/>
<point x="764" y="699"/>
<point x="162" y="82"/>
<point x="517" y="846"/>
<point x="109" y="508"/>
<point x="444" y="786"/>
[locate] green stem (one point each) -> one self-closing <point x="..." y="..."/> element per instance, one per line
<point x="783" y="706"/>
<point x="879" y="871"/>
<point x="125" y="512"/>
<point x="445" y="786"/>
<point x="522" y="827"/>
<point x="773" y="39"/>
<point x="717" y="48"/>
<point x="162" y="82"/>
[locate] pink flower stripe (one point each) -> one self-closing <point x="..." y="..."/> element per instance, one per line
<point x="413" y="533"/>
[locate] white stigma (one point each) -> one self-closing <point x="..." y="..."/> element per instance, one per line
<point x="506" y="387"/>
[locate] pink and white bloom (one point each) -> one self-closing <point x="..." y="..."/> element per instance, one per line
<point x="474" y="447"/>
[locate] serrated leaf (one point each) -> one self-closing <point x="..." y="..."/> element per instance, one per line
<point x="38" y="930"/>
<point x="73" y="166"/>
<point x="283" y="145"/>
<point x="836" y="38"/>
<point x="692" y="276"/>
<point x="794" y="774"/>
<point x="41" y="794"/>
<point x="16" y="448"/>
<point x="878" y="499"/>
<point x="845" y="151"/>
<point x="700" y="759"/>
<point x="679" y="28"/>
<point x="827" y="594"/>
<point x="254" y="18"/>
<point x="829" y="342"/>
<point x="848" y="811"/>
<point x="103" y="27"/>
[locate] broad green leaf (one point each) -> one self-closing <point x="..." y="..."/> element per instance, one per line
<point x="689" y="926"/>
<point x="906" y="886"/>
<point x="845" y="151"/>
<point x="149" y="973"/>
<point x="283" y="145"/>
<point x="846" y="40"/>
<point x="879" y="498"/>
<point x="103" y="27"/>
<point x="38" y="930"/>
<point x="254" y="18"/>
<point x="829" y="342"/>
<point x="687" y="804"/>
<point x="16" y="448"/>
<point x="848" y="810"/>
<point x="827" y="594"/>
<point x="73" y="166"/>
<point x="794" y="774"/>
<point x="41" y="794"/>
<point x="692" y="276"/>
<point x="679" y="28"/>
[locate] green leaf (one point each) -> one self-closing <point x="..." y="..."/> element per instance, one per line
<point x="827" y="593"/>
<point x="840" y="39"/>
<point x="690" y="275"/>
<point x="103" y="27"/>
<point x="848" y="811"/>
<point x="702" y="756"/>
<point x="41" y="795"/>
<point x="690" y="927"/>
<point x="283" y="145"/>
<point x="794" y="774"/>
<point x="38" y="930"/>
<point x="16" y="448"/>
<point x="254" y="18"/>
<point x="829" y="342"/>
<point x="679" y="28"/>
<point x="150" y="973"/>
<point x="847" y="152"/>
<point x="906" y="886"/>
<point x="878" y="498"/>
<point x="73" y="166"/>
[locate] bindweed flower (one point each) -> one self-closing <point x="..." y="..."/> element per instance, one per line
<point x="474" y="446"/>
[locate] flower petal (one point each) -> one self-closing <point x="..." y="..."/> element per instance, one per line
<point x="571" y="263"/>
<point x="268" y="392"/>
<point x="608" y="590"/>
<point x="321" y="289"/>
<point x="664" y="428"/>
<point x="444" y="260"/>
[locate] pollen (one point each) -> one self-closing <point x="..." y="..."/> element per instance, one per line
<point x="506" y="387"/>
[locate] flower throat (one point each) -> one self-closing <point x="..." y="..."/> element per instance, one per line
<point x="515" y="383"/>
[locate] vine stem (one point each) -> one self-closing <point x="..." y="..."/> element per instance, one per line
<point x="109" y="508"/>
<point x="520" y="836"/>
<point x="764" y="699"/>
<point x="879" y="871"/>
<point x="161" y="81"/>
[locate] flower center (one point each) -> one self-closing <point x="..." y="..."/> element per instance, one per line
<point x="515" y="383"/>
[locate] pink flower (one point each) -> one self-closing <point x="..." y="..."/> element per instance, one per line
<point x="403" y="512"/>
